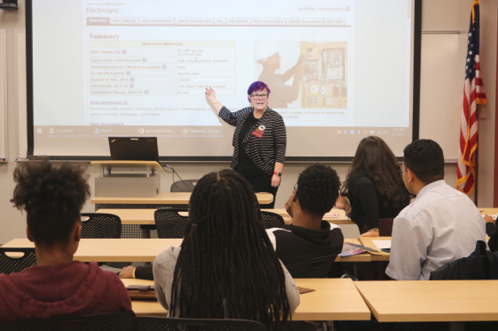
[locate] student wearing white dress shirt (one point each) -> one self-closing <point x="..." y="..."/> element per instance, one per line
<point x="440" y="226"/>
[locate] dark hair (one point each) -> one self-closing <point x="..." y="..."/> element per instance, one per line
<point x="374" y="158"/>
<point x="227" y="267"/>
<point x="52" y="196"/>
<point x="317" y="189"/>
<point x="257" y="86"/>
<point x="425" y="159"/>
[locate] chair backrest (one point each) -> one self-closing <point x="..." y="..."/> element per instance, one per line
<point x="14" y="262"/>
<point x="169" y="223"/>
<point x="186" y="185"/>
<point x="195" y="324"/>
<point x="97" y="322"/>
<point x="480" y="264"/>
<point x="386" y="227"/>
<point x="318" y="267"/>
<point x="271" y="220"/>
<point x="99" y="225"/>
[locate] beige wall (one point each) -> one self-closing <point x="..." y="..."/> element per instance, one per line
<point x="437" y="15"/>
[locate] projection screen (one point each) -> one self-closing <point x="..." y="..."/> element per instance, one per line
<point x="344" y="70"/>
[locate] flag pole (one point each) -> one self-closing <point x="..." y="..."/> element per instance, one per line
<point x="476" y="165"/>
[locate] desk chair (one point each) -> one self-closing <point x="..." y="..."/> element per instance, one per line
<point x="186" y="185"/>
<point x="98" y="225"/>
<point x="169" y="223"/>
<point x="190" y="324"/>
<point x="271" y="220"/>
<point x="97" y="322"/>
<point x="9" y="264"/>
<point x="386" y="227"/>
<point x="318" y="267"/>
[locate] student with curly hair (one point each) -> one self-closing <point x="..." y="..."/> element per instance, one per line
<point x="374" y="186"/>
<point x="52" y="197"/>
<point x="309" y="236"/>
<point x="226" y="266"/>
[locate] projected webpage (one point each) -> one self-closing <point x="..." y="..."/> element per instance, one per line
<point x="141" y="68"/>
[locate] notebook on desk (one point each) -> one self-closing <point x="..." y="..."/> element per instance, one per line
<point x="134" y="148"/>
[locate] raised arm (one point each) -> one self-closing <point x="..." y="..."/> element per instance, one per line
<point x="212" y="101"/>
<point x="296" y="69"/>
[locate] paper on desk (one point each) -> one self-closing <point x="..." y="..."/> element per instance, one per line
<point x="331" y="215"/>
<point x="382" y="243"/>
<point x="493" y="216"/>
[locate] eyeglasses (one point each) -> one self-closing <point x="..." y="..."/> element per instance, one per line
<point x="295" y="187"/>
<point x="259" y="96"/>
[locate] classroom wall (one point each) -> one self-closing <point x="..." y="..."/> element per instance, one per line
<point x="437" y="15"/>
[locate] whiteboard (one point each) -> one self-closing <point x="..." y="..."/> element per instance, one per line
<point x="21" y="85"/>
<point x="3" y="96"/>
<point x="441" y="89"/>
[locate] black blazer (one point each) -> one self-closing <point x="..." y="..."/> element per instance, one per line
<point x="265" y="151"/>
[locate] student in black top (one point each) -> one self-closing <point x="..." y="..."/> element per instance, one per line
<point x="492" y="233"/>
<point x="308" y="236"/>
<point x="259" y="139"/>
<point x="374" y="187"/>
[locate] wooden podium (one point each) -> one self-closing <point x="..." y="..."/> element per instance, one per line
<point x="127" y="179"/>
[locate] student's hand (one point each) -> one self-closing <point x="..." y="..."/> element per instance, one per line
<point x="127" y="272"/>
<point x="275" y="181"/>
<point x="371" y="233"/>
<point x="489" y="219"/>
<point x="343" y="203"/>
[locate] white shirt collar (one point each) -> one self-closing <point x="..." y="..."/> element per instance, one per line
<point x="429" y="187"/>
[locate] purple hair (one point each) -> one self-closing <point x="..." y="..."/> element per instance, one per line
<point x="257" y="86"/>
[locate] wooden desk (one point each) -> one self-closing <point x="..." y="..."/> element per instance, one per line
<point x="132" y="216"/>
<point x="368" y="242"/>
<point x="431" y="301"/>
<point x="334" y="299"/>
<point x="180" y="199"/>
<point x="340" y="219"/>
<point x="114" y="250"/>
<point x="135" y="250"/>
<point x="146" y="216"/>
<point x="488" y="211"/>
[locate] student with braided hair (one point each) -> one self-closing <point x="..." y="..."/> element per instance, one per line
<point x="226" y="266"/>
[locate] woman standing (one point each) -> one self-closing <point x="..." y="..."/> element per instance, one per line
<point x="226" y="266"/>
<point x="259" y="139"/>
<point x="374" y="187"/>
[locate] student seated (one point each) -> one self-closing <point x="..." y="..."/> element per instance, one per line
<point x="440" y="226"/>
<point x="226" y="266"/>
<point x="314" y="195"/>
<point x="309" y="236"/>
<point x="52" y="197"/>
<point x="374" y="186"/>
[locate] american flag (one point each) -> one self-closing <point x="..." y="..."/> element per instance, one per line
<point x="473" y="95"/>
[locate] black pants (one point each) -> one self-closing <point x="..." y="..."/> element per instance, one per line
<point x="262" y="183"/>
